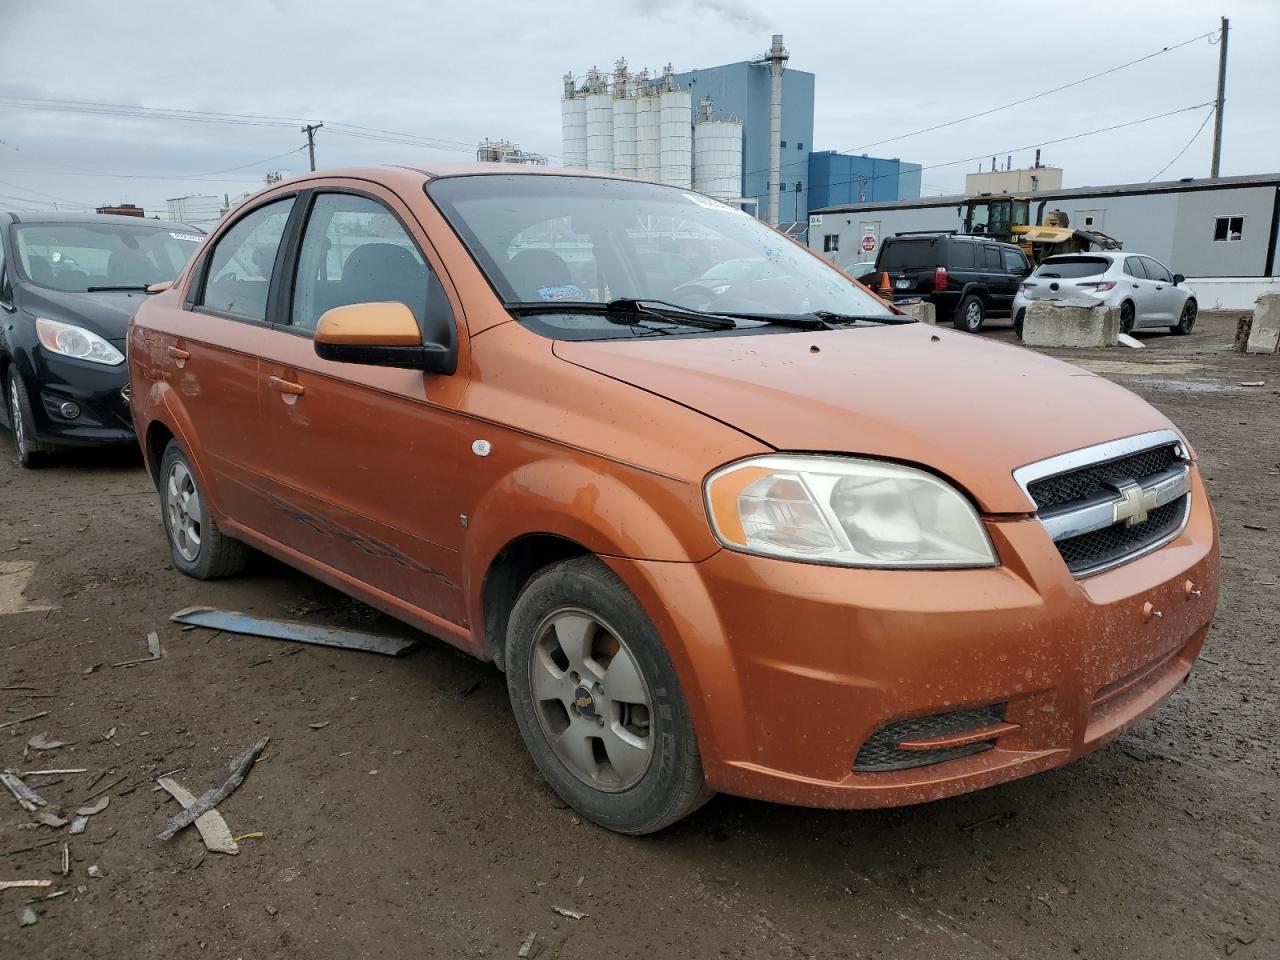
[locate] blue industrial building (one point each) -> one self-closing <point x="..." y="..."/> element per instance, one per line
<point x="741" y="91"/>
<point x="836" y="178"/>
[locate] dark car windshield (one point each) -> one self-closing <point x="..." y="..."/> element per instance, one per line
<point x="909" y="254"/>
<point x="567" y="239"/>
<point x="77" y="256"/>
<point x="1071" y="268"/>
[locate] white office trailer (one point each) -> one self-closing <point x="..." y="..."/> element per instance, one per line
<point x="1220" y="232"/>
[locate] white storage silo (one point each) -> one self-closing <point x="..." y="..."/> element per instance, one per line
<point x="624" y="131"/>
<point x="717" y="158"/>
<point x="599" y="122"/>
<point x="573" y="126"/>
<point x="676" y="138"/>
<point x="648" y="132"/>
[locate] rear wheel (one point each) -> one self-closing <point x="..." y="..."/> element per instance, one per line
<point x="598" y="702"/>
<point x="1186" y="323"/>
<point x="198" y="547"/>
<point x="1018" y="321"/>
<point x="970" y="314"/>
<point x="1126" y="317"/>
<point x="30" y="451"/>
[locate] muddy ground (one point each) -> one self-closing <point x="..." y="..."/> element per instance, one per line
<point x="413" y="825"/>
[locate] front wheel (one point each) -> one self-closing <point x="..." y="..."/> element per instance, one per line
<point x="1186" y="323"/>
<point x="199" y="549"/>
<point x="970" y="314"/>
<point x="27" y="446"/>
<point x="598" y="702"/>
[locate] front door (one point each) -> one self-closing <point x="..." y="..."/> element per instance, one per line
<point x="1167" y="298"/>
<point x="367" y="464"/>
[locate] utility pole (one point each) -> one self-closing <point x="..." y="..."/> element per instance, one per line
<point x="1222" y="91"/>
<point x="310" y="130"/>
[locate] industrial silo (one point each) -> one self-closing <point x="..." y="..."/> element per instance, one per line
<point x="717" y="154"/>
<point x="599" y="123"/>
<point x="648" y="130"/>
<point x="573" y="125"/>
<point x="676" y="134"/>
<point x="624" y="121"/>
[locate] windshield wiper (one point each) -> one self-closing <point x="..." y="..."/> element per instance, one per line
<point x="130" y="286"/>
<point x="889" y="318"/>
<point x="628" y="310"/>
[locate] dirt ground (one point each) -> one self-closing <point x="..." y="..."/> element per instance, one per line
<point x="413" y="825"/>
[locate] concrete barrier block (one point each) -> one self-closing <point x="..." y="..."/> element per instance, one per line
<point x="922" y="311"/>
<point x="1264" y="335"/>
<point x="1051" y="323"/>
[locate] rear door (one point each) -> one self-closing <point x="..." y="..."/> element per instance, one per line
<point x="1140" y="290"/>
<point x="367" y="464"/>
<point x="1016" y="267"/>
<point x="992" y="276"/>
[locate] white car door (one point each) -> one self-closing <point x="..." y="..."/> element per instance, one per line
<point x="1168" y="298"/>
<point x="1141" y="291"/>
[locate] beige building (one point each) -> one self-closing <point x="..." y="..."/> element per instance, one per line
<point x="1029" y="180"/>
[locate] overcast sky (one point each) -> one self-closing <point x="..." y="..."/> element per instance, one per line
<point x="463" y="71"/>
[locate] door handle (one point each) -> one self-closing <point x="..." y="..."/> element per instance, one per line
<point x="286" y="387"/>
<point x="179" y="356"/>
<point x="1135" y="286"/>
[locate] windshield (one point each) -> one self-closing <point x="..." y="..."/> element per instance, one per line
<point x="1071" y="268"/>
<point x="78" y="256"/>
<point x="565" y="239"/>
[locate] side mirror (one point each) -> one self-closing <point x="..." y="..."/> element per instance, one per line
<point x="1178" y="279"/>
<point x="160" y="287"/>
<point x="379" y="335"/>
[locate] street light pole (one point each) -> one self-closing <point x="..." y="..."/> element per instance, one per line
<point x="1222" y="91"/>
<point x="310" y="130"/>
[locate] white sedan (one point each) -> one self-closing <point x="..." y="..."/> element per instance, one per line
<point x="1147" y="294"/>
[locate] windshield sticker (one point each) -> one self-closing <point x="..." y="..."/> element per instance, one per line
<point x="707" y="202"/>
<point x="773" y="254"/>
<point x="568" y="291"/>
<point x="193" y="238"/>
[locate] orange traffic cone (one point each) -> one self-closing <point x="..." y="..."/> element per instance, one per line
<point x="885" y="289"/>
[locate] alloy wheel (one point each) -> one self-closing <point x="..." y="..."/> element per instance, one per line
<point x="182" y="509"/>
<point x="591" y="700"/>
<point x="973" y="314"/>
<point x="15" y="418"/>
<point x="1188" y="316"/>
<point x="1126" y="317"/>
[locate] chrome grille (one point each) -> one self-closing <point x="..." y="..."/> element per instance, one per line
<point x="1111" y="503"/>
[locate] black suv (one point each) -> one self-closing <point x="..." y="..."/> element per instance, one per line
<point x="966" y="278"/>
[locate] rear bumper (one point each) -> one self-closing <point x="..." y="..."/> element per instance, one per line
<point x="790" y="668"/>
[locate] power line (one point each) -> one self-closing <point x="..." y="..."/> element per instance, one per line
<point x="1200" y="129"/>
<point x="1036" y="96"/>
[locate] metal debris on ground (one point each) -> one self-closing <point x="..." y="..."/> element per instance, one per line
<point x="95" y="872"/>
<point x="50" y="819"/>
<point x="78" y="825"/>
<point x="255" y="835"/>
<point x="571" y="914"/>
<point x="95" y="808"/>
<point x="153" y="644"/>
<point x="527" y="946"/>
<point x="41" y="741"/>
<point x="66" y="859"/>
<point x="320" y="725"/>
<point x="14" y="723"/>
<point x="213" y="829"/>
<point x="50" y="773"/>
<point x="28" y="917"/>
<point x="107" y="786"/>
<point x="1134" y="342"/>
<point x="25" y="796"/>
<point x="16" y="884"/>
<point x="238" y="768"/>
<point x="233" y="622"/>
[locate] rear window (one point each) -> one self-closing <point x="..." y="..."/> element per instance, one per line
<point x="908" y="255"/>
<point x="1070" y="268"/>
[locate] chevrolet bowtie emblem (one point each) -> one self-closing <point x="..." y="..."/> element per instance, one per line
<point x="1135" y="503"/>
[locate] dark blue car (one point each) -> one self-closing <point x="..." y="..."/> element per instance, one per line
<point x="69" y="283"/>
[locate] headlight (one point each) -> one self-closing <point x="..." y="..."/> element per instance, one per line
<point x="847" y="512"/>
<point x="70" y="341"/>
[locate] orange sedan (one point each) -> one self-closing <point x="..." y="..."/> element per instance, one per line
<point x="743" y="530"/>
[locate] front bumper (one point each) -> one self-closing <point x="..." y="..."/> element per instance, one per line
<point x="100" y="392"/>
<point x="790" y="668"/>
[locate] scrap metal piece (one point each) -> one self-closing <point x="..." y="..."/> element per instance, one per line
<point x="239" y="769"/>
<point x="213" y="829"/>
<point x="50" y="819"/>
<point x="233" y="622"/>
<point x="78" y="825"/>
<point x="25" y="796"/>
<point x="96" y="808"/>
<point x="15" y="884"/>
<point x="153" y="644"/>
<point x="41" y="741"/>
<point x="571" y="914"/>
<point x="14" y="723"/>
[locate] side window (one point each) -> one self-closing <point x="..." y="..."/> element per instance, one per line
<point x="1014" y="261"/>
<point x="1228" y="229"/>
<point x="1156" y="271"/>
<point x="831" y="243"/>
<point x="354" y="250"/>
<point x="962" y="256"/>
<point x="991" y="257"/>
<point x="1133" y="267"/>
<point x="239" y="272"/>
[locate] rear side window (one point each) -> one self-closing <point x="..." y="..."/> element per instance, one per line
<point x="1071" y="268"/>
<point x="991" y="258"/>
<point x="1014" y="261"/>
<point x="240" y="266"/>
<point x="1133" y="267"/>
<point x="907" y="255"/>
<point x="961" y="257"/>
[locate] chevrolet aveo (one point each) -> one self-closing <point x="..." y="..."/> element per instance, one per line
<point x="729" y="534"/>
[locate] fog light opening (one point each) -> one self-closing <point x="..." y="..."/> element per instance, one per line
<point x="69" y="410"/>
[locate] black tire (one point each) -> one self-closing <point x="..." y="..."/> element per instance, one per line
<point x="1127" y="314"/>
<point x="1018" y="322"/>
<point x="1187" y="322"/>
<point x="213" y="555"/>
<point x="31" y="452"/>
<point x="671" y="784"/>
<point x="970" y="315"/>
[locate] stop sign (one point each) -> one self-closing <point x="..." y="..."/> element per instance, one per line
<point x="868" y="243"/>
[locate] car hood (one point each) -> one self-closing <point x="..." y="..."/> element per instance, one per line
<point x="961" y="405"/>
<point x="106" y="313"/>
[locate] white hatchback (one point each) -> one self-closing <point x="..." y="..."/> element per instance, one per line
<point x="1147" y="294"/>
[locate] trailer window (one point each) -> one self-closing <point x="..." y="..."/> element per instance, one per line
<point x="831" y="243"/>
<point x="1228" y="229"/>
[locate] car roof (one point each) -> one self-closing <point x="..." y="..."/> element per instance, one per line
<point x="59" y="217"/>
<point x="932" y="235"/>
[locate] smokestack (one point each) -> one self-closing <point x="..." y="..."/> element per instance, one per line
<point x="1037" y="158"/>
<point x="776" y="58"/>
